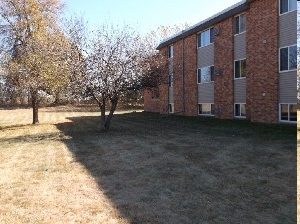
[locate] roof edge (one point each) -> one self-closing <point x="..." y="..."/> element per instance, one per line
<point x="226" y="13"/>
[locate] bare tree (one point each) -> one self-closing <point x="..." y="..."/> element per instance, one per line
<point x="113" y="64"/>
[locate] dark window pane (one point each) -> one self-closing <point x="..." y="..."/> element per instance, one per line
<point x="284" y="112"/>
<point x="283" y="6"/>
<point x="237" y="110"/>
<point x="199" y="76"/>
<point x="200" y="108"/>
<point x="170" y="80"/>
<point x="293" y="112"/>
<point x="212" y="73"/>
<point x="199" y="40"/>
<point x="170" y="51"/>
<point x="293" y="57"/>
<point x="237" y="69"/>
<point x="171" y="108"/>
<point x="237" y="25"/>
<point x="212" y="36"/>
<point x="284" y="65"/>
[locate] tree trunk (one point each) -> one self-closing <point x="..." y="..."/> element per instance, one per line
<point x="114" y="102"/>
<point x="102" y="111"/>
<point x="35" y="107"/>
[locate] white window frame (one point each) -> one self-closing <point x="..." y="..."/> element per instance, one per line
<point x="279" y="59"/>
<point x="170" y="51"/>
<point x="240" y="68"/>
<point x="286" y="121"/>
<point x="239" y="111"/>
<point x="279" y="8"/>
<point x="199" y="69"/>
<point x="235" y="34"/>
<point x="171" y="108"/>
<point x="211" y="33"/>
<point x="212" y="111"/>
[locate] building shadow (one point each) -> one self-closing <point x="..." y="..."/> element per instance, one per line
<point x="152" y="174"/>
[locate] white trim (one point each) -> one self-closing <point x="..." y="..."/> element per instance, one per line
<point x="239" y="111"/>
<point x="279" y="113"/>
<point x="286" y="12"/>
<point x="207" y="115"/>
<point x="199" y="33"/>
<point x="200" y="80"/>
<point x="279" y="61"/>
<point x="239" y="33"/>
<point x="205" y="45"/>
<point x="280" y="14"/>
<point x="239" y="15"/>
<point x="234" y="78"/>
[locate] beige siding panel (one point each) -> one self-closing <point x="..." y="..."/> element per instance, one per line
<point x="240" y="90"/>
<point x="288" y="87"/>
<point x="240" y="46"/>
<point x="171" y="95"/>
<point x="206" y="92"/>
<point x="287" y="29"/>
<point x="205" y="56"/>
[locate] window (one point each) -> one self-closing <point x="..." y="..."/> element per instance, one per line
<point x="155" y="93"/>
<point x="206" y="37"/>
<point x="287" y="6"/>
<point x="170" y="80"/>
<point x="205" y="74"/>
<point x="240" y="24"/>
<point x="171" y="108"/>
<point x="288" y="58"/>
<point x="240" y="110"/>
<point x="288" y="112"/>
<point x="171" y="51"/>
<point x="240" y="69"/>
<point x="206" y="109"/>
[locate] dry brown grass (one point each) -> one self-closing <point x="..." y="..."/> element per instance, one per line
<point x="147" y="169"/>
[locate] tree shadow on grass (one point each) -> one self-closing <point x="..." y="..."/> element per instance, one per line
<point x="153" y="171"/>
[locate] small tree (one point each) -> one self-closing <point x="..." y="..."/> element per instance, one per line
<point x="113" y="65"/>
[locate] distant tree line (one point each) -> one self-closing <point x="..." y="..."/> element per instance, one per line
<point x="48" y="59"/>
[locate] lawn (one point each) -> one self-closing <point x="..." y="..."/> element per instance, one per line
<point x="148" y="168"/>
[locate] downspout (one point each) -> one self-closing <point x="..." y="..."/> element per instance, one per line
<point x="183" y="79"/>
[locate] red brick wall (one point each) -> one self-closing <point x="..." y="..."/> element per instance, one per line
<point x="178" y="78"/>
<point x="190" y="75"/>
<point x="223" y="84"/>
<point x="164" y="87"/>
<point x="150" y="104"/>
<point x="262" y="61"/>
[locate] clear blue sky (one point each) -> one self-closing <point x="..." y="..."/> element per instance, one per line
<point x="145" y="15"/>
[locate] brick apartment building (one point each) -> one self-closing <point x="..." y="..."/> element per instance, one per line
<point x="240" y="63"/>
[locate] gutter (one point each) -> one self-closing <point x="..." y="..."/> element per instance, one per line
<point x="231" y="11"/>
